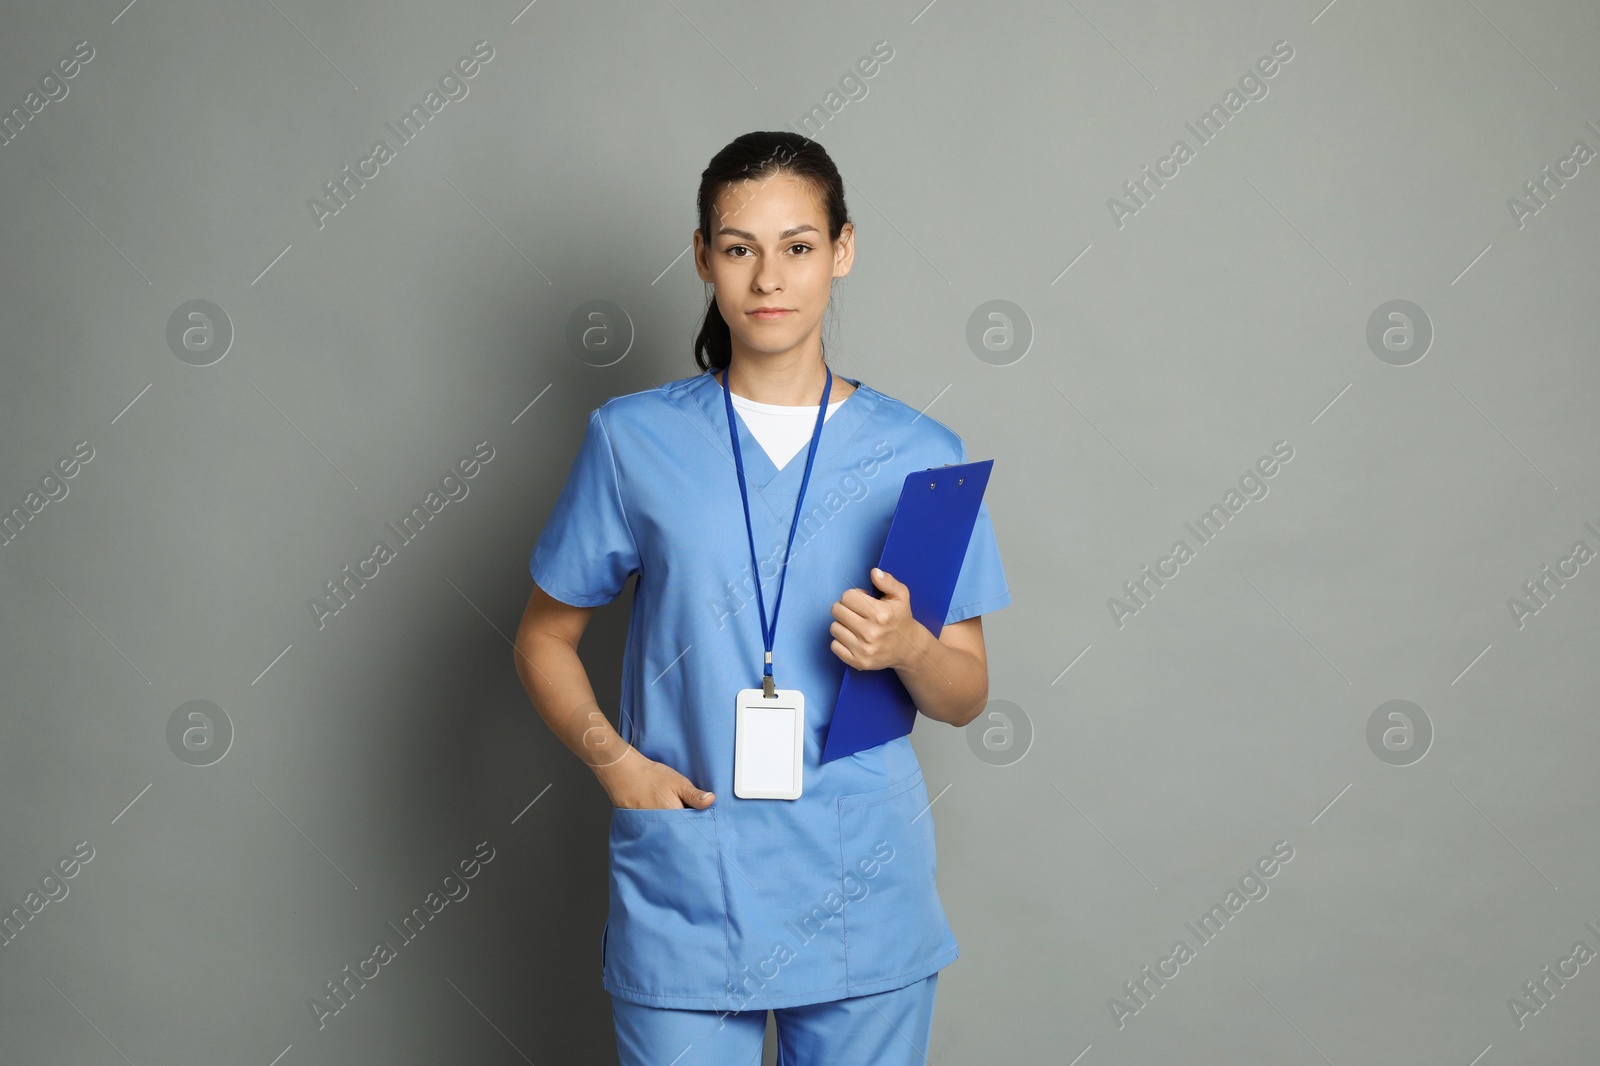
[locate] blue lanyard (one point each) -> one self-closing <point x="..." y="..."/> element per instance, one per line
<point x="767" y="632"/>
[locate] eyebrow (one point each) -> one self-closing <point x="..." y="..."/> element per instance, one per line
<point x="785" y="235"/>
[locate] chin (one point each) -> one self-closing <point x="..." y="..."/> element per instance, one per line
<point x="773" y="341"/>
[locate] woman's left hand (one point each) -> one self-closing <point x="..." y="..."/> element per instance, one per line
<point x="874" y="633"/>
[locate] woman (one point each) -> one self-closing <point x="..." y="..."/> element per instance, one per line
<point x="822" y="908"/>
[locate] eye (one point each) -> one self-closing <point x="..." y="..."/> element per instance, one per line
<point x="799" y="247"/>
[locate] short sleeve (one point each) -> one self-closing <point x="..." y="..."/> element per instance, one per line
<point x="981" y="586"/>
<point x="586" y="551"/>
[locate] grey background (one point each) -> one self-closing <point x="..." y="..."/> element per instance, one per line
<point x="1168" y="753"/>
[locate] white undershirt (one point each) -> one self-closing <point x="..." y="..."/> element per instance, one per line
<point x="781" y="430"/>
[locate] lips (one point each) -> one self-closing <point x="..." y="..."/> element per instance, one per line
<point x="770" y="313"/>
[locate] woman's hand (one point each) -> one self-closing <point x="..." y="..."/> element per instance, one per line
<point x="874" y="633"/>
<point x="640" y="783"/>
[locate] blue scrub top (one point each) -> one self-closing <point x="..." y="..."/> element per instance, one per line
<point x="754" y="904"/>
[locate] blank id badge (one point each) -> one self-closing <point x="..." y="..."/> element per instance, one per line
<point x="768" y="744"/>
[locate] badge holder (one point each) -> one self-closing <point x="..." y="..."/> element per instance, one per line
<point x="768" y="744"/>
<point x="769" y="722"/>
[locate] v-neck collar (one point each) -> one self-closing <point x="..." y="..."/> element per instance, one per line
<point x="763" y="476"/>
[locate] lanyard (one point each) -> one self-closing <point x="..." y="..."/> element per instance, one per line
<point x="768" y="633"/>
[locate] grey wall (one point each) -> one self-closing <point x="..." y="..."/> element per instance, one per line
<point x="1340" y="273"/>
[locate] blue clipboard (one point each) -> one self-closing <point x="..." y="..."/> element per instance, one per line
<point x="924" y="549"/>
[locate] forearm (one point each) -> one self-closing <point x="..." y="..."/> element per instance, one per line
<point x="946" y="684"/>
<point x="559" y="688"/>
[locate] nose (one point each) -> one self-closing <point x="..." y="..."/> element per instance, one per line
<point x="768" y="277"/>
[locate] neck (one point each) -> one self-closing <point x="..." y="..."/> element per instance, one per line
<point x="788" y="383"/>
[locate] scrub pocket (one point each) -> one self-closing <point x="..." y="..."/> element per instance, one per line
<point x="894" y="923"/>
<point x="666" y="932"/>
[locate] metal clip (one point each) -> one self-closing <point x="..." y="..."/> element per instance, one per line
<point x="766" y="687"/>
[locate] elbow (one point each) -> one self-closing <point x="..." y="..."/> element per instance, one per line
<point x="522" y="649"/>
<point x="983" y="694"/>
<point x="973" y="712"/>
<point x="532" y="643"/>
<point x="519" y="655"/>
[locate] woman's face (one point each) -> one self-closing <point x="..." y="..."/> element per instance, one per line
<point x="770" y="249"/>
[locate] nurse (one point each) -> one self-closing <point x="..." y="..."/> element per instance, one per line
<point x="751" y="501"/>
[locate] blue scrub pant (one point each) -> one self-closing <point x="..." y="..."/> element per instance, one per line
<point x="886" y="1029"/>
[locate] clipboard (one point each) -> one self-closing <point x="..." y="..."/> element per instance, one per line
<point x="925" y="546"/>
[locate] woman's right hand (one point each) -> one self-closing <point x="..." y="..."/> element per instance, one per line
<point x="640" y="783"/>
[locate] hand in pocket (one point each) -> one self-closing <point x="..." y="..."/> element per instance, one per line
<point x="641" y="783"/>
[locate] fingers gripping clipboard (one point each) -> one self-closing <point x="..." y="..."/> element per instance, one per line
<point x="925" y="546"/>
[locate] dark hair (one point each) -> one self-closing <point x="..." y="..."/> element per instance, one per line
<point x="755" y="156"/>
